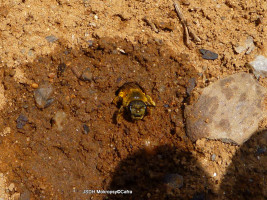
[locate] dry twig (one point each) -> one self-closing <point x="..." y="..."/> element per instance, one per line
<point x="152" y="25"/>
<point x="187" y="29"/>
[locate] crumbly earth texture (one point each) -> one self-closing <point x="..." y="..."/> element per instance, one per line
<point x="85" y="50"/>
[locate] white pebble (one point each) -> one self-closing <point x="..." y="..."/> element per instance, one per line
<point x="259" y="66"/>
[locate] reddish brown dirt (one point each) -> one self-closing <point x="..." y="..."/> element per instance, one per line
<point x="116" y="40"/>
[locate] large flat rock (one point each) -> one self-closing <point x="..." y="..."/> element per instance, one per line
<point x="229" y="109"/>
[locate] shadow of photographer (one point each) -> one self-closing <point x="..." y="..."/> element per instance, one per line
<point x="162" y="173"/>
<point x="246" y="177"/>
<point x="170" y="173"/>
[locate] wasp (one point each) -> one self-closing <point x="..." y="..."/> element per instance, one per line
<point x="133" y="102"/>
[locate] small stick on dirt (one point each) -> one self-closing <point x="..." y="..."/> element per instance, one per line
<point x="151" y="25"/>
<point x="187" y="28"/>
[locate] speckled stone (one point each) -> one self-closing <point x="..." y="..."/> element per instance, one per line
<point x="229" y="109"/>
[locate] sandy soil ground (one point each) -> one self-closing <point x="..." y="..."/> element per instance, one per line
<point x="54" y="43"/>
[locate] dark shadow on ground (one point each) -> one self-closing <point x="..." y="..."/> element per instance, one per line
<point x="154" y="174"/>
<point x="163" y="173"/>
<point x="246" y="177"/>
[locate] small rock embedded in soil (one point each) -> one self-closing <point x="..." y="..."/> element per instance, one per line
<point x="191" y="86"/>
<point x="90" y="43"/>
<point x="34" y="85"/>
<point x="229" y="109"/>
<point x="21" y="121"/>
<point x="213" y="157"/>
<point x="208" y="55"/>
<point x="259" y="66"/>
<point x="16" y="196"/>
<point x="85" y="129"/>
<point x="173" y="181"/>
<point x="11" y="187"/>
<point x="6" y="131"/>
<point x="51" y="38"/>
<point x="247" y="45"/>
<point x="60" y="69"/>
<point x="86" y="75"/>
<point x="59" y="119"/>
<point x="261" y="150"/>
<point x="42" y="95"/>
<point x="25" y="195"/>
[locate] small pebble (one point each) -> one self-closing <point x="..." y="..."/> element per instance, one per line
<point x="25" y="195"/>
<point x="42" y="94"/>
<point x="90" y="43"/>
<point x="213" y="157"/>
<point x="162" y="88"/>
<point x="208" y="55"/>
<point x="51" y="75"/>
<point x="51" y="38"/>
<point x="16" y="196"/>
<point x="119" y="79"/>
<point x="261" y="150"/>
<point x="92" y="24"/>
<point x="30" y="52"/>
<point x="11" y="187"/>
<point x="60" y="69"/>
<point x="191" y="86"/>
<point x="35" y="85"/>
<point x="86" y="75"/>
<point x="259" y="66"/>
<point x="49" y="102"/>
<point x="59" y="119"/>
<point x="247" y="46"/>
<point x="185" y="2"/>
<point x="6" y="131"/>
<point x="21" y="121"/>
<point x="173" y="180"/>
<point x="85" y="129"/>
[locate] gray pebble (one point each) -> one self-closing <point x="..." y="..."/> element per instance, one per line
<point x="21" y="121"/>
<point x="162" y="88"/>
<point x="208" y="55"/>
<point x="173" y="180"/>
<point x="119" y="79"/>
<point x="247" y="46"/>
<point x="87" y="75"/>
<point x="213" y="157"/>
<point x="51" y="38"/>
<point x="49" y="102"/>
<point x="85" y="129"/>
<point x="90" y="43"/>
<point x="261" y="150"/>
<point x="191" y="86"/>
<point x="42" y="95"/>
<point x="259" y="66"/>
<point x="25" y="195"/>
<point x="30" y="52"/>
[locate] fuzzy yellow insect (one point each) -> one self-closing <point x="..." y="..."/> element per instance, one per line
<point x="133" y="101"/>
